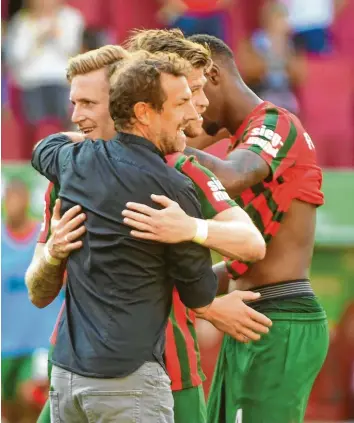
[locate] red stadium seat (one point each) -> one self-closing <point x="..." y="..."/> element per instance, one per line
<point x="326" y="100"/>
<point x="94" y="12"/>
<point x="12" y="145"/>
<point x="127" y="15"/>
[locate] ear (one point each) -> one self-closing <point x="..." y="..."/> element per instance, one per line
<point x="141" y="111"/>
<point x="214" y="74"/>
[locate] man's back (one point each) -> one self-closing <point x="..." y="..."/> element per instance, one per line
<point x="119" y="288"/>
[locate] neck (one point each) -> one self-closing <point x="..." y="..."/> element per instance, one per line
<point x="142" y="131"/>
<point x="240" y="101"/>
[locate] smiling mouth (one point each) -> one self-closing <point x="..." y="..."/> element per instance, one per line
<point x="86" y="131"/>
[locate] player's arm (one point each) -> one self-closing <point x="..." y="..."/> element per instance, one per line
<point x="190" y="269"/>
<point x="241" y="170"/>
<point x="43" y="279"/>
<point x="229" y="229"/>
<point x="59" y="236"/>
<point x="265" y="151"/>
<point x="231" y="232"/>
<point x="222" y="277"/>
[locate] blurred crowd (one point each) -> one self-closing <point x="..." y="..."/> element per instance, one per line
<point x="298" y="54"/>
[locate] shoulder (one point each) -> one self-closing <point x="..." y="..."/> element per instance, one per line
<point x="274" y="124"/>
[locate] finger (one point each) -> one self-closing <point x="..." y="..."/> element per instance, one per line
<point x="69" y="215"/>
<point x="162" y="199"/>
<point x="72" y="246"/>
<point x="249" y="295"/>
<point x="74" y="223"/>
<point x="240" y="337"/>
<point x="253" y="336"/>
<point x="259" y="317"/>
<point x="138" y="225"/>
<point x="139" y="217"/>
<point x="74" y="235"/>
<point x="56" y="210"/>
<point x="141" y="208"/>
<point x="256" y="327"/>
<point x="144" y="235"/>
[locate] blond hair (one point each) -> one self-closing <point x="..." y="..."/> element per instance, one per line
<point x="104" y="57"/>
<point x="139" y="80"/>
<point x="170" y="41"/>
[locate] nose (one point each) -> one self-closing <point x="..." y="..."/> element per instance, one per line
<point x="76" y="116"/>
<point x="202" y="102"/>
<point x="190" y="112"/>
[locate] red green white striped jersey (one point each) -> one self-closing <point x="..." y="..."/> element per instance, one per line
<point x="182" y="355"/>
<point x="280" y="139"/>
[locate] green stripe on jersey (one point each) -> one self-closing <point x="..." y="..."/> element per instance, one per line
<point x="196" y="346"/>
<point x="255" y="216"/>
<point x="271" y="118"/>
<point x="181" y="349"/>
<point x="288" y="143"/>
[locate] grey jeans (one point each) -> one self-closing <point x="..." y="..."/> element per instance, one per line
<point x="144" y="396"/>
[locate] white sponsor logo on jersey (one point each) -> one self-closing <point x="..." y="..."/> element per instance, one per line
<point x="309" y="141"/>
<point x="218" y="190"/>
<point x="272" y="142"/>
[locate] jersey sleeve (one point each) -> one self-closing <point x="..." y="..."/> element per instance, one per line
<point x="50" y="197"/>
<point x="212" y="195"/>
<point x="273" y="136"/>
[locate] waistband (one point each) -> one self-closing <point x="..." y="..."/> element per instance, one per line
<point x="286" y="289"/>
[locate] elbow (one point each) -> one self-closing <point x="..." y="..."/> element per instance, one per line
<point x="39" y="302"/>
<point x="36" y="300"/>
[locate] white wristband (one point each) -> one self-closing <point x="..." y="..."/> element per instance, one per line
<point x="50" y="259"/>
<point x="202" y="231"/>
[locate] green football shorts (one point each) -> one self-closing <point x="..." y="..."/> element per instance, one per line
<point x="270" y="381"/>
<point x="189" y="405"/>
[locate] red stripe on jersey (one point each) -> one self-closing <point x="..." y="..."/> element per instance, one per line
<point x="181" y="319"/>
<point x="272" y="229"/>
<point x="173" y="365"/>
<point x="53" y="338"/>
<point x="237" y="266"/>
<point x="47" y="215"/>
<point x="261" y="206"/>
<point x="247" y="196"/>
<point x="201" y="180"/>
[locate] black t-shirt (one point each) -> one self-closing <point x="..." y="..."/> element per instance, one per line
<point x="119" y="289"/>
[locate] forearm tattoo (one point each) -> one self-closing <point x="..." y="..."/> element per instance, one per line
<point x="44" y="280"/>
<point x="242" y="169"/>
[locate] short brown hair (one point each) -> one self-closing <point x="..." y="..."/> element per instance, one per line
<point x="104" y="57"/>
<point x="170" y="41"/>
<point x="139" y="80"/>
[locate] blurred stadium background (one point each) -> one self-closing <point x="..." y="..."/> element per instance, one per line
<point x="302" y="59"/>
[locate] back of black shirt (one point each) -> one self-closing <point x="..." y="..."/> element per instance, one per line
<point x="119" y="288"/>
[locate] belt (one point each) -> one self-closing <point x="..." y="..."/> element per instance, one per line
<point x="286" y="289"/>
